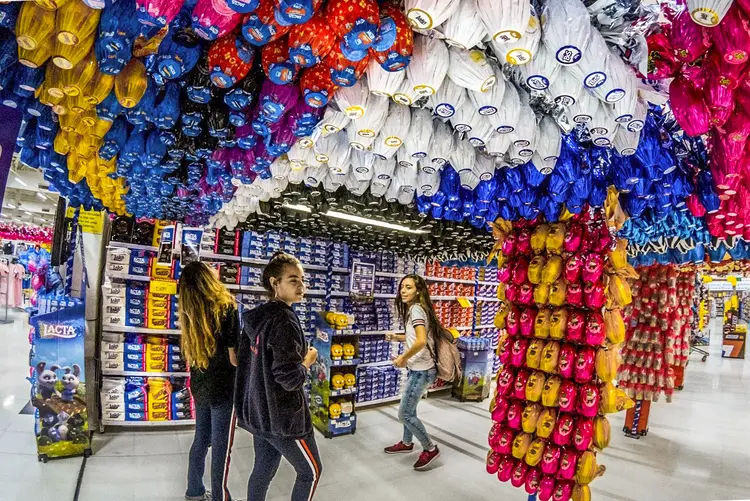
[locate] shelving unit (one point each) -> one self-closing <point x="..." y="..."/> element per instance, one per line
<point x="174" y="422"/>
<point x="125" y="276"/>
<point x="108" y="372"/>
<point x="142" y="330"/>
<point x="125" y="245"/>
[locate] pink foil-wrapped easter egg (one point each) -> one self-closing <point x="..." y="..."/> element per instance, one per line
<point x="689" y="108"/>
<point x="732" y="39"/>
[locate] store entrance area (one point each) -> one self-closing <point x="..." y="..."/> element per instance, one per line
<point x="696" y="449"/>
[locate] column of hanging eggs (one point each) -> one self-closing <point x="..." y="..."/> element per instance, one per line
<point x="658" y="337"/>
<point x="560" y="354"/>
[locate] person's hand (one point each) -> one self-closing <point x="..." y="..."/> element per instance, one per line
<point x="310" y="358"/>
<point x="399" y="361"/>
<point x="389" y="336"/>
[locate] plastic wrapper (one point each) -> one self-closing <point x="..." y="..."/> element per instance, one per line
<point x="417" y="142"/>
<point x="310" y="42"/>
<point x="566" y="30"/>
<point x="565" y="90"/>
<point x="504" y="20"/>
<point x="509" y="111"/>
<point x="592" y="68"/>
<point x="377" y="112"/>
<point x="429" y="65"/>
<point x="406" y="95"/>
<point x="213" y="19"/>
<point x="395" y="56"/>
<point x="396" y="126"/>
<point x="521" y="52"/>
<point x="708" y="13"/>
<point x="471" y="70"/>
<point x="542" y="70"/>
<point x="620" y="81"/>
<point x="464" y="28"/>
<point x="382" y="82"/>
<point x="448" y="98"/>
<point x="428" y="14"/>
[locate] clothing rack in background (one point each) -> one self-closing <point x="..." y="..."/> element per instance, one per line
<point x="4" y="257"/>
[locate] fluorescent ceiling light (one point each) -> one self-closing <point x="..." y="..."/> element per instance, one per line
<point x="355" y="219"/>
<point x="27" y="213"/>
<point x="21" y="181"/>
<point x="4" y="215"/>
<point x="303" y="208"/>
<point x="39" y="194"/>
<point x="10" y="206"/>
<point x="364" y="220"/>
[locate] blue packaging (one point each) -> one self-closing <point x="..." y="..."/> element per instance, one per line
<point x="136" y="302"/>
<point x="138" y="269"/>
<point x="135" y="406"/>
<point x="135" y="416"/>
<point x="136" y="366"/>
<point x="134" y="356"/>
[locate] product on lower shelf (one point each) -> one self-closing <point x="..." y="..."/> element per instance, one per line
<point x="146" y="399"/>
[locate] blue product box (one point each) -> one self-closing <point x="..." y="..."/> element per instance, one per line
<point x="135" y="321"/>
<point x="139" y="258"/>
<point x="136" y="416"/>
<point x="134" y="366"/>
<point x="135" y="406"/>
<point x="176" y="366"/>
<point x="136" y="394"/>
<point x="136" y="302"/>
<point x="136" y="292"/>
<point x="138" y="269"/>
<point x="134" y="356"/>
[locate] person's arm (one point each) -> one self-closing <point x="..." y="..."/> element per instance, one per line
<point x="418" y="346"/>
<point x="231" y="333"/>
<point x="391" y="336"/>
<point x="418" y="320"/>
<point x="288" y="367"/>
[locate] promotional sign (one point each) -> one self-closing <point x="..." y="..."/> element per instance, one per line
<point x="10" y="123"/>
<point x="166" y="246"/>
<point x="90" y="221"/>
<point x="191" y="245"/>
<point x="362" y="283"/>
<point x="59" y="383"/>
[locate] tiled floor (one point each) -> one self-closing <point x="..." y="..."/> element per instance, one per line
<point x="697" y="450"/>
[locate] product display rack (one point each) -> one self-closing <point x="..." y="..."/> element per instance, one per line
<point x="334" y="418"/>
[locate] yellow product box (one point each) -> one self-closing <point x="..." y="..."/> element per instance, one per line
<point x="158" y="415"/>
<point x="157" y="323"/>
<point x="158" y="313"/>
<point x="160" y="271"/>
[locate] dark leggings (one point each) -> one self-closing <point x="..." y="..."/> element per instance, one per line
<point x="302" y="454"/>
<point x="214" y="426"/>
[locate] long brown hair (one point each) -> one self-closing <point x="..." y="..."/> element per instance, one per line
<point x="423" y="299"/>
<point x="204" y="302"/>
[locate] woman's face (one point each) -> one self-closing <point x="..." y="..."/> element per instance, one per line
<point x="290" y="287"/>
<point x="408" y="291"/>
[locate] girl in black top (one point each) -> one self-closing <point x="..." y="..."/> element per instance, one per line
<point x="210" y="327"/>
<point x="271" y="374"/>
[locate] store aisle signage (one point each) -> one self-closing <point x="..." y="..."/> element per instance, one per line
<point x="90" y="221"/>
<point x="163" y="287"/>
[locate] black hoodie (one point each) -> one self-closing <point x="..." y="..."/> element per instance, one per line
<point x="269" y="394"/>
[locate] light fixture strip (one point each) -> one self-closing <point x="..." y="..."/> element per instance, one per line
<point x="356" y="219"/>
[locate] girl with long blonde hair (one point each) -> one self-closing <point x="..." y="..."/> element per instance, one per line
<point x="210" y="327"/>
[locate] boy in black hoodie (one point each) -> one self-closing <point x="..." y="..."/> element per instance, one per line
<point x="273" y="361"/>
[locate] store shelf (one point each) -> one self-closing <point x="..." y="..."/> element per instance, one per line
<point x="462" y="328"/>
<point x="384" y="296"/>
<point x="141" y="330"/>
<point x="126" y="245"/>
<point x="389" y="275"/>
<point x="344" y="363"/>
<point x="220" y="257"/>
<point x="255" y="260"/>
<point x="125" y="276"/>
<point x="454" y="280"/>
<point x="486" y="326"/>
<point x="451" y="298"/>
<point x="488" y="299"/>
<point x="380" y="333"/>
<point x="233" y="287"/>
<point x="343" y="391"/>
<point x="175" y="422"/>
<point x="376" y="402"/>
<point x="482" y="282"/>
<point x="339" y="294"/>
<point x="106" y="372"/>
<point x="382" y="363"/>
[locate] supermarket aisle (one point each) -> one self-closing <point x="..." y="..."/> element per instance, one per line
<point x="21" y="475"/>
<point x="695" y="450"/>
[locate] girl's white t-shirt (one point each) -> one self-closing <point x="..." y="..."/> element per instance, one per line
<point x="422" y="361"/>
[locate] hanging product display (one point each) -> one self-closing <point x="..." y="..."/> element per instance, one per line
<point x="659" y="331"/>
<point x="563" y="290"/>
<point x="33" y="234"/>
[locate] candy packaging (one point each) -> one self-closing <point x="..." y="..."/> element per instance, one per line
<point x="564" y="430"/>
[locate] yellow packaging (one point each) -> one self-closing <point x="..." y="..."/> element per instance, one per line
<point x="157" y="323"/>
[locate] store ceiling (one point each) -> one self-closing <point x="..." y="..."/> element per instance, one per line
<point x="27" y="198"/>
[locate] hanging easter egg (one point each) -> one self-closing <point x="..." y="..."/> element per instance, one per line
<point x="229" y="60"/>
<point x="317" y="86"/>
<point x="131" y="83"/>
<point x="76" y="21"/>
<point x="213" y="19"/>
<point x="344" y="72"/>
<point x="309" y="43"/>
<point x="261" y="27"/>
<point x="396" y="55"/>
<point x="355" y="21"/>
<point x="34" y="26"/>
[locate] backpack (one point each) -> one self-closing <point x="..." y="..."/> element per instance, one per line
<point x="446" y="356"/>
